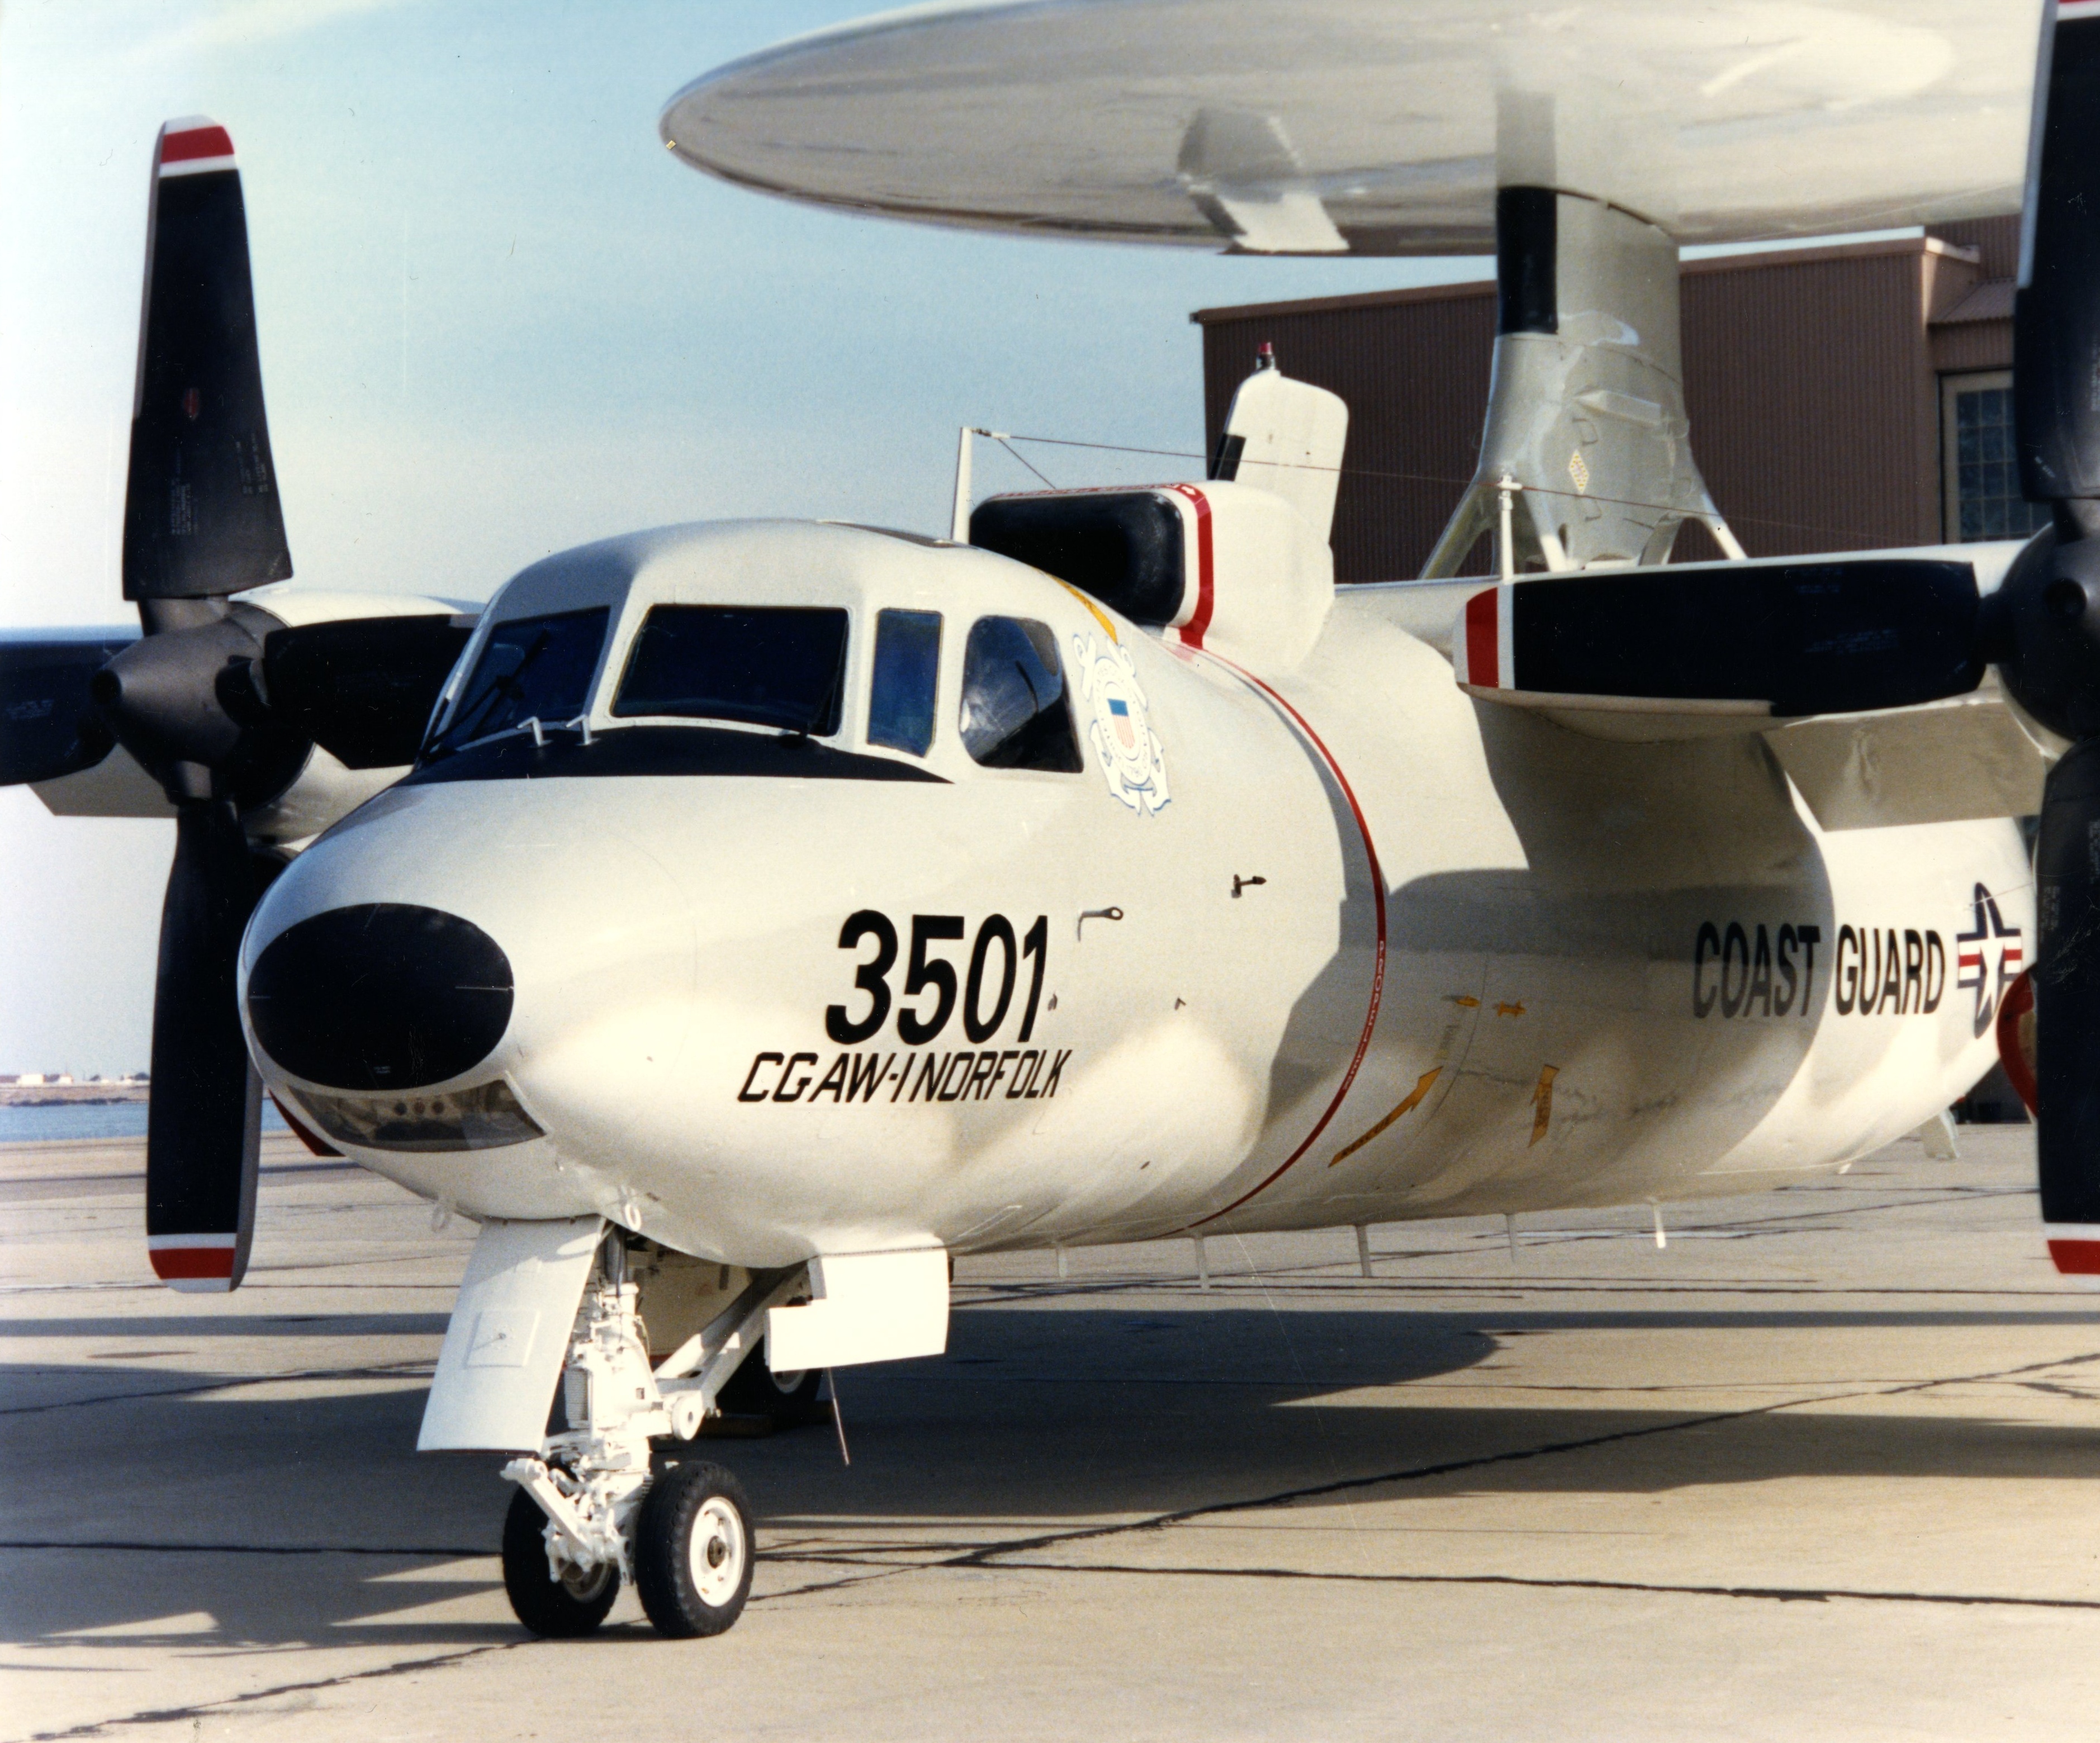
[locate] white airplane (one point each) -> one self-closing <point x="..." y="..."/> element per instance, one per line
<point x="737" y="920"/>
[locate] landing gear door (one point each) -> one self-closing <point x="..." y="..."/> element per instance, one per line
<point x="509" y="1336"/>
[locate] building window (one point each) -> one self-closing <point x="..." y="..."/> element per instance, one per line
<point x="1980" y="493"/>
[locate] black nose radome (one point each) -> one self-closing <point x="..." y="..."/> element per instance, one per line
<point x="382" y="996"/>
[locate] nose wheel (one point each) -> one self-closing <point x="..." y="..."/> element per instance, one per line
<point x="562" y="1602"/>
<point x="692" y="1550"/>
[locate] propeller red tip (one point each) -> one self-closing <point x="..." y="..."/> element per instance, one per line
<point x="194" y="1259"/>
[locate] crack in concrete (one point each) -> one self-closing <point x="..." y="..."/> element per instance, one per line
<point x="175" y="1715"/>
<point x="384" y="1370"/>
<point x="1514" y="1288"/>
<point x="119" y="1546"/>
<point x="1771" y="1594"/>
<point x="992" y="1556"/>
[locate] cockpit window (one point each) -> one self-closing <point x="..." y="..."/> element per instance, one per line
<point x="530" y="668"/>
<point x="763" y="666"/>
<point x="907" y="670"/>
<point x="1014" y="711"/>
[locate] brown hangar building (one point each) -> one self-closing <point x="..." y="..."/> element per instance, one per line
<point x="1844" y="397"/>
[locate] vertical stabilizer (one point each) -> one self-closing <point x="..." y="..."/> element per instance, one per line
<point x="1285" y="437"/>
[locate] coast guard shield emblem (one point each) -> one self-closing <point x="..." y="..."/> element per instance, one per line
<point x="1132" y="760"/>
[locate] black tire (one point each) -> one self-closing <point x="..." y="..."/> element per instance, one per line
<point x="555" y="1609"/>
<point x="788" y="1401"/>
<point x="694" y="1550"/>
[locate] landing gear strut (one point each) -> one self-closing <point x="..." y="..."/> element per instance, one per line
<point x="594" y="1508"/>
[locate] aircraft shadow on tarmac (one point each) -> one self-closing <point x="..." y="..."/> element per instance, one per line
<point x="291" y="1519"/>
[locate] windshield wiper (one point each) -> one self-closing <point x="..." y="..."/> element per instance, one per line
<point x="507" y="688"/>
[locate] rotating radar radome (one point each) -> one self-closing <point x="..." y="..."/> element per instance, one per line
<point x="1344" y="127"/>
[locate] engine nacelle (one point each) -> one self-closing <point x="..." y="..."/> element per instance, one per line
<point x="1224" y="567"/>
<point x="364" y="676"/>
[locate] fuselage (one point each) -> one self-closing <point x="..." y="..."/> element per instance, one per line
<point x="1268" y="948"/>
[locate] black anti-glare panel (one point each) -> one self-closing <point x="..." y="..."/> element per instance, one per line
<point x="201" y="511"/>
<point x="1809" y="638"/>
<point x="625" y="752"/>
<point x="2056" y="317"/>
<point x="48" y="725"/>
<point x="1122" y="547"/>
<point x="382" y="996"/>
<point x="362" y="689"/>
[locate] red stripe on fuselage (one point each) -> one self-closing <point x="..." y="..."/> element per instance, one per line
<point x="1191" y="632"/>
<point x="1377" y="971"/>
<point x="198" y="141"/>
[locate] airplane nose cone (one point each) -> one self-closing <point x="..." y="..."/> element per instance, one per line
<point x="380" y="996"/>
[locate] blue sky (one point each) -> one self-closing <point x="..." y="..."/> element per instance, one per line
<point x="497" y="319"/>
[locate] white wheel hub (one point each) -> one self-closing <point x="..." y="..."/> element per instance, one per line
<point x="718" y="1551"/>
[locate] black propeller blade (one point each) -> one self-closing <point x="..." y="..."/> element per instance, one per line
<point x="221" y="702"/>
<point x="201" y="518"/>
<point x="204" y="1123"/>
<point x="202" y="521"/>
<point x="49" y="725"/>
<point x="2047" y="624"/>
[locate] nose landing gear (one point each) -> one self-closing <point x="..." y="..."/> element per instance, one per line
<point x="692" y="1550"/>
<point x="594" y="1507"/>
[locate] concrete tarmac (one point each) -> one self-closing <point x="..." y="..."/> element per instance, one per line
<point x="1825" y="1468"/>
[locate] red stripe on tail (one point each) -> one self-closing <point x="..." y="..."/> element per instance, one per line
<point x="1199" y="620"/>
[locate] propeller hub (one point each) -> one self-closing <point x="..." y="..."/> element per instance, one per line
<point x="163" y="699"/>
<point x="2045" y="632"/>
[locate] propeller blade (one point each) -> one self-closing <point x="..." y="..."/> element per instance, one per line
<point x="362" y="688"/>
<point x="1834" y="635"/>
<point x="2066" y="1019"/>
<point x="2044" y="624"/>
<point x="49" y="725"/>
<point x="204" y="1121"/>
<point x="2056" y="315"/>
<point x="201" y="517"/>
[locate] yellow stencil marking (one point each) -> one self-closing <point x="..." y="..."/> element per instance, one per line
<point x="1510" y="1010"/>
<point x="1100" y="618"/>
<point x="1542" y="1100"/>
<point x="1410" y="1103"/>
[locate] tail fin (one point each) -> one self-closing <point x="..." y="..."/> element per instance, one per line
<point x="1285" y="437"/>
<point x="201" y="517"/>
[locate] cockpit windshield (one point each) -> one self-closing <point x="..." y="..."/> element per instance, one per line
<point x="530" y="668"/>
<point x="762" y="666"/>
